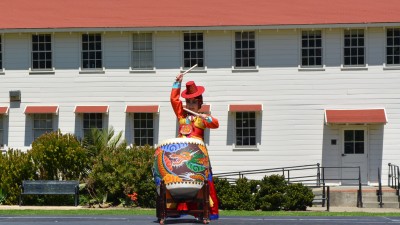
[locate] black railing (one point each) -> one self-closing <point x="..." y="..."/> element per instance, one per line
<point x="289" y="173"/>
<point x="393" y="177"/>
<point x="357" y="179"/>
<point x="313" y="180"/>
<point x="379" y="191"/>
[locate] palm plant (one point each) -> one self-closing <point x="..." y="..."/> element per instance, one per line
<point x="102" y="139"/>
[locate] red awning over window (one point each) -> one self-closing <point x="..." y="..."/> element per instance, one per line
<point x="142" y="109"/>
<point x="41" y="109"/>
<point x="91" y="109"/>
<point x="3" y="110"/>
<point x="355" y="116"/>
<point x="204" y="108"/>
<point x="245" y="108"/>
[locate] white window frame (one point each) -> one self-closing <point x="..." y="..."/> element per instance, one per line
<point x="311" y="39"/>
<point x="344" y="47"/>
<point x="133" y="50"/>
<point x="257" y="137"/>
<point x="1" y="131"/>
<point x="87" y="130"/>
<point x="88" y="51"/>
<point x="39" y="51"/>
<point x="38" y="119"/>
<point x="1" y="54"/>
<point x="140" y="129"/>
<point x="364" y="141"/>
<point x="392" y="46"/>
<point x="243" y="49"/>
<point x="196" y="50"/>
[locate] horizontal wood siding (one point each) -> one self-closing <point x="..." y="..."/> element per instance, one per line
<point x="292" y="130"/>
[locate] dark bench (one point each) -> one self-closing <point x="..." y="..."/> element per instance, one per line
<point x="50" y="187"/>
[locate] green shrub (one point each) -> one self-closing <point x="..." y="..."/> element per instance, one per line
<point x="121" y="171"/>
<point x="15" y="166"/>
<point x="271" y="194"/>
<point x="298" y="197"/>
<point x="227" y="195"/>
<point x="59" y="157"/>
<point x="243" y="188"/>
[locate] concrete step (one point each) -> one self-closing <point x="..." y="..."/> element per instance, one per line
<point x="386" y="194"/>
<point x="346" y="196"/>
<point x="384" y="198"/>
<point x="390" y="205"/>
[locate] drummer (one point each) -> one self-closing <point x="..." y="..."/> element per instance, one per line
<point x="193" y="126"/>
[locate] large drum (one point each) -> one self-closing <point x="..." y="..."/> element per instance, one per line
<point x="183" y="165"/>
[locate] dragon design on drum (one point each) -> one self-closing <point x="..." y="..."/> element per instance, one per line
<point x="181" y="162"/>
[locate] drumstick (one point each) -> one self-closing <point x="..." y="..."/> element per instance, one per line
<point x="187" y="71"/>
<point x="190" y="111"/>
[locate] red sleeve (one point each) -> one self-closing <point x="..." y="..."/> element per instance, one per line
<point x="213" y="124"/>
<point x="177" y="103"/>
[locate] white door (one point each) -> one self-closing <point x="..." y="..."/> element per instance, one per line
<point x="354" y="155"/>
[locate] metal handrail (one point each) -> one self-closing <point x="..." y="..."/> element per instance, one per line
<point x="358" y="179"/>
<point x="285" y="171"/>
<point x="393" y="177"/>
<point x="319" y="179"/>
<point x="380" y="189"/>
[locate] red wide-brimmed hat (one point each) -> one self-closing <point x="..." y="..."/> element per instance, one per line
<point x="192" y="90"/>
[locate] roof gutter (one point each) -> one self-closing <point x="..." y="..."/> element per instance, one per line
<point x="198" y="28"/>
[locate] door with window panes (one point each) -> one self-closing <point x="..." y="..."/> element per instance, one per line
<point x="354" y="155"/>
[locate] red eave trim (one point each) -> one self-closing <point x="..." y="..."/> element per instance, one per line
<point x="3" y="110"/>
<point x="91" y="109"/>
<point x="204" y="108"/>
<point x="142" y="109"/>
<point x="246" y="108"/>
<point x="41" y="109"/>
<point x="352" y="116"/>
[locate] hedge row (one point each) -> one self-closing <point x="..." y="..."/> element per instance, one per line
<point x="109" y="171"/>
<point x="270" y="194"/>
<point x="112" y="173"/>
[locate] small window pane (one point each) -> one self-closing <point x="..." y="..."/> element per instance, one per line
<point x="143" y="129"/>
<point x="91" y="51"/>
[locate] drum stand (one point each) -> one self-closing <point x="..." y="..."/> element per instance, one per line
<point x="202" y="212"/>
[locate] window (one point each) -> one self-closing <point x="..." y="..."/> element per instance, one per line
<point x="393" y="46"/>
<point x="1" y="54"/>
<point x="42" y="123"/>
<point x="143" y="129"/>
<point x="142" y="53"/>
<point x="354" y="47"/>
<point x="41" y="52"/>
<point x="1" y="132"/>
<point x="193" y="49"/>
<point x="91" y="51"/>
<point x="354" y="142"/>
<point x="245" y="129"/>
<point x="245" y="49"/>
<point x="90" y="121"/>
<point x="311" y="48"/>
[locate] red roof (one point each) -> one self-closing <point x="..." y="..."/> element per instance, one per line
<point x="91" y="109"/>
<point x="245" y="108"/>
<point x="20" y="14"/>
<point x="352" y="116"/>
<point x="3" y="110"/>
<point x="142" y="109"/>
<point x="41" y="109"/>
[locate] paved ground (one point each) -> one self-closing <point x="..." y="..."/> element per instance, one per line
<point x="149" y="220"/>
<point x="318" y="208"/>
<point x="189" y="220"/>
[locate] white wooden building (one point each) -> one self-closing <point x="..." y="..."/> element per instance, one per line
<point x="291" y="82"/>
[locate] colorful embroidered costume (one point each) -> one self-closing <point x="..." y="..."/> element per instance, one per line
<point x="193" y="127"/>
